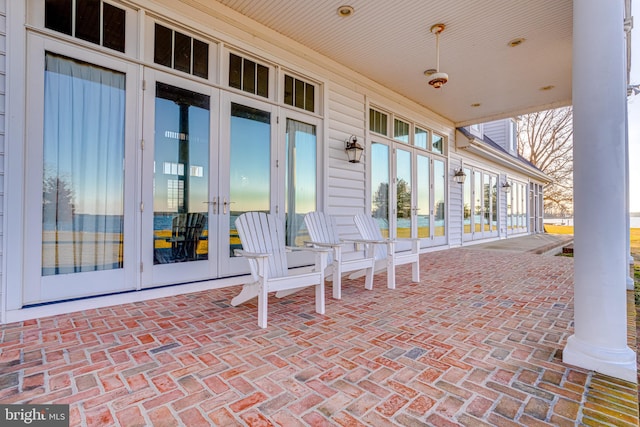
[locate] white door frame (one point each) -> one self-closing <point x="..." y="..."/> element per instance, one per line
<point x="37" y="288"/>
<point x="182" y="272"/>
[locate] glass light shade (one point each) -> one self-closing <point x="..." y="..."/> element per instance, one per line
<point x="459" y="176"/>
<point x="354" y="150"/>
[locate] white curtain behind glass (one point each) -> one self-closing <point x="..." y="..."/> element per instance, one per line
<point x="83" y="182"/>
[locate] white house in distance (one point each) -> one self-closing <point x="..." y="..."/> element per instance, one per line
<point x="135" y="131"/>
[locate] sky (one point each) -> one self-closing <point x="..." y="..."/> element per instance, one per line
<point x="634" y="117"/>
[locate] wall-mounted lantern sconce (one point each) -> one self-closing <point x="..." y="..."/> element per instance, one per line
<point x="460" y="176"/>
<point x="506" y="187"/>
<point x="353" y="149"/>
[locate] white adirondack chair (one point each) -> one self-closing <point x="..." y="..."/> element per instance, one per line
<point x="262" y="236"/>
<point x="324" y="234"/>
<point x="385" y="250"/>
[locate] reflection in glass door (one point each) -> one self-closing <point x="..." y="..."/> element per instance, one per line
<point x="494" y="205"/>
<point x="249" y="167"/>
<point x="478" y="218"/>
<point x="180" y="180"/>
<point x="467" y="206"/>
<point x="404" y="205"/>
<point x="423" y="193"/>
<point x="480" y="205"/>
<point x="439" y="205"/>
<point x="380" y="186"/>
<point x="418" y="208"/>
<point x="300" y="187"/>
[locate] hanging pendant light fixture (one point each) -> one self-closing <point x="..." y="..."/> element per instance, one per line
<point x="436" y="78"/>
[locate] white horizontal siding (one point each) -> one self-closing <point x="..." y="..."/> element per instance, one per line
<point x="455" y="202"/>
<point x="497" y="131"/>
<point x="346" y="182"/>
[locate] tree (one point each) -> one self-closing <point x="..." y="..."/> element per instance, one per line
<point x="403" y="199"/>
<point x="57" y="202"/>
<point x="546" y="140"/>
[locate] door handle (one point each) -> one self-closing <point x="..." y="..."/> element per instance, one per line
<point x="224" y="206"/>
<point x="213" y="202"/>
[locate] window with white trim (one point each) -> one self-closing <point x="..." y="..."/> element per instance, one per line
<point x="181" y="52"/>
<point x="299" y="93"/>
<point x="94" y="21"/>
<point x="248" y="76"/>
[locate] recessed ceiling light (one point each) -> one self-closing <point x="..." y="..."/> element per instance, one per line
<point x="547" y="87"/>
<point x="516" y="42"/>
<point x="475" y="104"/>
<point x="345" y="11"/>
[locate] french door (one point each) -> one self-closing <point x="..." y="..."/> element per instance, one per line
<point x="247" y="171"/>
<point x="420" y="197"/>
<point x="80" y="196"/>
<point x="209" y="158"/>
<point x="179" y="181"/>
<point x="480" y="205"/>
<point x="124" y="194"/>
<point x="268" y="165"/>
<point x="408" y="193"/>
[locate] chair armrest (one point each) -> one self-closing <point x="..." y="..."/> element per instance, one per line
<point x="362" y="241"/>
<point x="307" y="249"/>
<point x="240" y="252"/>
<point x="321" y="245"/>
<point x="377" y="242"/>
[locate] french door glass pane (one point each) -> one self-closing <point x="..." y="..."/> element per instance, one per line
<point x="424" y="226"/>
<point x="83" y="179"/>
<point x="181" y="175"/>
<point x="300" y="181"/>
<point x="477" y="205"/>
<point x="467" y="203"/>
<point x="487" y="202"/>
<point x="439" y="192"/>
<point x="380" y="186"/>
<point x="249" y="166"/>
<point x="403" y="193"/>
<point x="494" y="203"/>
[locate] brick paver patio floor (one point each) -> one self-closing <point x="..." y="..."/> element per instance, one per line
<point x="478" y="342"/>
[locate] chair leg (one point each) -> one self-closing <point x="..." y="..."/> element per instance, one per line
<point x="249" y="290"/>
<point x="263" y="301"/>
<point x="368" y="281"/>
<point x="320" y="297"/>
<point x="391" y="273"/>
<point x="415" y="271"/>
<point x="337" y="281"/>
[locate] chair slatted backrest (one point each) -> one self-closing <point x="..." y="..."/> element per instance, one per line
<point x="260" y="232"/>
<point x="186" y="231"/>
<point x="322" y="228"/>
<point x="370" y="230"/>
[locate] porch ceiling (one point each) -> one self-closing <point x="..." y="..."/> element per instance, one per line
<point x="390" y="42"/>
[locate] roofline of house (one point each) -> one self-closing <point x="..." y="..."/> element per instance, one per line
<point x="468" y="142"/>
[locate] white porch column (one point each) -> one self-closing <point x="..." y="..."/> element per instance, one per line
<point x="599" y="109"/>
<point x="630" y="282"/>
<point x="628" y="26"/>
